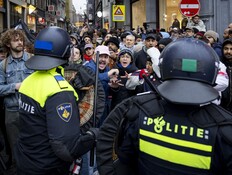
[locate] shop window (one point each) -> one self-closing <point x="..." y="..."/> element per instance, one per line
<point x="170" y="15"/>
<point x="16" y="13"/>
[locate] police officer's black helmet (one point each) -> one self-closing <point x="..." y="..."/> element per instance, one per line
<point x="189" y="69"/>
<point x="51" y="49"/>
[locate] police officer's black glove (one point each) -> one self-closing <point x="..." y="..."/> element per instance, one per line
<point x="94" y="132"/>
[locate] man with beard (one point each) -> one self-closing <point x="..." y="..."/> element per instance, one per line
<point x="226" y="100"/>
<point x="105" y="74"/>
<point x="12" y="72"/>
<point x="113" y="44"/>
<point x="142" y="55"/>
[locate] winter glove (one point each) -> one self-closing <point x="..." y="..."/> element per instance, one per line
<point x="154" y="53"/>
<point x="94" y="132"/>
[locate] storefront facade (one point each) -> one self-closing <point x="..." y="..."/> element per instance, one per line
<point x="216" y="14"/>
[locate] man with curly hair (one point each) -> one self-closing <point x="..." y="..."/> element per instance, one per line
<point x="12" y="72"/>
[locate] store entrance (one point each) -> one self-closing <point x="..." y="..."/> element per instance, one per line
<point x="170" y="15"/>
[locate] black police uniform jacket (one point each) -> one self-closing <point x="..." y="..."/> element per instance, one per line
<point x="50" y="137"/>
<point x="181" y="140"/>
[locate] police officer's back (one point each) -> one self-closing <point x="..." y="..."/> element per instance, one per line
<point x="50" y="137"/>
<point x="182" y="133"/>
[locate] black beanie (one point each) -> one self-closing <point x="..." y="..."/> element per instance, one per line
<point x="165" y="41"/>
<point x="112" y="40"/>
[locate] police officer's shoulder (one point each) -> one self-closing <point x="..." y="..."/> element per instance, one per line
<point x="214" y="116"/>
<point x="148" y="102"/>
<point x="226" y="125"/>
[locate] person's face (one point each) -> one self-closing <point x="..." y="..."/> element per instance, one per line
<point x="73" y="41"/>
<point x="103" y="61"/>
<point x="107" y="37"/>
<point x="227" y="50"/>
<point x="112" y="46"/>
<point x="230" y="26"/>
<point x="76" y="54"/>
<point x="210" y="38"/>
<point x="138" y="40"/>
<point x="175" y="35"/>
<point x="226" y="34"/>
<point x="189" y="33"/>
<point x="87" y="40"/>
<point x="17" y="44"/>
<point x="150" y="42"/>
<point x="149" y="67"/>
<point x="196" y="19"/>
<point x="161" y="47"/>
<point x="198" y="37"/>
<point x="125" y="60"/>
<point x="130" y="42"/>
<point x="89" y="51"/>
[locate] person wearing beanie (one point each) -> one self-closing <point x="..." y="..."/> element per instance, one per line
<point x="125" y="66"/>
<point x="212" y="36"/>
<point x="163" y="43"/>
<point x="113" y="44"/>
<point x="114" y="41"/>
<point x="199" y="35"/>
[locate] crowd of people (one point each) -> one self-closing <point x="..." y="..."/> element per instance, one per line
<point x="40" y="120"/>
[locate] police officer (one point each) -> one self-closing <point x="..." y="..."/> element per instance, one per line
<point x="180" y="132"/>
<point x="50" y="137"/>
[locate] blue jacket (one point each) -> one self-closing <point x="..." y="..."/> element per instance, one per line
<point x="103" y="76"/>
<point x="11" y="72"/>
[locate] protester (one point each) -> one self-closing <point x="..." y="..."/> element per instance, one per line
<point x="74" y="39"/>
<point x="226" y="100"/>
<point x="88" y="52"/>
<point x="141" y="56"/>
<point x="113" y="44"/>
<point x="12" y="72"/>
<point x="125" y="66"/>
<point x="76" y="55"/>
<point x="213" y="40"/>
<point x="129" y="43"/>
<point x="197" y="23"/>
<point x="163" y="43"/>
<point x="105" y="74"/>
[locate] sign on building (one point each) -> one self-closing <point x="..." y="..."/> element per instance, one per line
<point x="118" y="13"/>
<point x="189" y="8"/>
